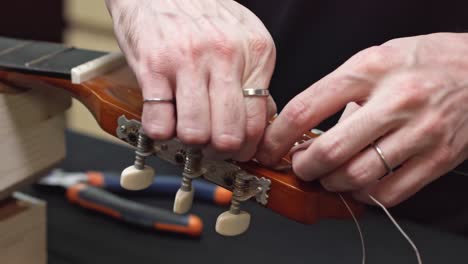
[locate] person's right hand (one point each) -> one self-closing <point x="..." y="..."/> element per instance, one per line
<point x="202" y="53"/>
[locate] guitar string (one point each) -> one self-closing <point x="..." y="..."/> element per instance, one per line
<point x="395" y="223"/>
<point x="358" y="227"/>
<point x="462" y="173"/>
<point x="392" y="219"/>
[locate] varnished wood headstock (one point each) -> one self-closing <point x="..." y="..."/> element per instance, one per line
<point x="117" y="94"/>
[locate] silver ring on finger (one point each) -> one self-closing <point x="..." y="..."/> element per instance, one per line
<point x="382" y="158"/>
<point x="255" y="92"/>
<point x="158" y="100"/>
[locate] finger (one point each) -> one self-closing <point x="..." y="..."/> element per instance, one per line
<point x="158" y="119"/>
<point x="407" y="180"/>
<point x="272" y="108"/>
<point x="307" y="110"/>
<point x="257" y="111"/>
<point x="342" y="142"/>
<point x="349" y="110"/>
<point x="367" y="167"/>
<point x="193" y="106"/>
<point x="352" y="81"/>
<point x="256" y="114"/>
<point x="226" y="107"/>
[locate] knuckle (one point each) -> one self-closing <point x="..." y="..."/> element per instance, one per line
<point x="255" y="125"/>
<point x="158" y="62"/>
<point x="431" y="129"/>
<point x="158" y="132"/>
<point x="224" y="47"/>
<point x="254" y="130"/>
<point x="192" y="136"/>
<point x="358" y="176"/>
<point x="374" y="59"/>
<point x="297" y="112"/>
<point x="192" y="50"/>
<point x="261" y="45"/>
<point x="329" y="152"/>
<point x="227" y="143"/>
<point x="411" y="92"/>
<point x="444" y="157"/>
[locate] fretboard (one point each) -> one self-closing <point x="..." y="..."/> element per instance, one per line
<point x="43" y="58"/>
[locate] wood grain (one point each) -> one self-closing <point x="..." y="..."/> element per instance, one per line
<point x="32" y="139"/>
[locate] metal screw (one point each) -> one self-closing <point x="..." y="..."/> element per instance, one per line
<point x="239" y="186"/>
<point x="143" y="150"/>
<point x="192" y="168"/>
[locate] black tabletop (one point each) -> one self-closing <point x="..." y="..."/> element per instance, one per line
<point x="76" y="235"/>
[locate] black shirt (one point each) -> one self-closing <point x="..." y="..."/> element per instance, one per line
<point x="314" y="37"/>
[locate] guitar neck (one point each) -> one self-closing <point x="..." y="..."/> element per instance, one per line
<point x="114" y="95"/>
<point x="43" y="58"/>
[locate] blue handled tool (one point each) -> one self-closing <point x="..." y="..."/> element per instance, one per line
<point x="162" y="185"/>
<point x="128" y="211"/>
<point x="92" y="191"/>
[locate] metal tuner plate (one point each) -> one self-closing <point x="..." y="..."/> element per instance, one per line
<point x="222" y="173"/>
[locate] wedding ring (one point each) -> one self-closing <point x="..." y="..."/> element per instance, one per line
<point x="382" y="158"/>
<point x="256" y="92"/>
<point x="158" y="100"/>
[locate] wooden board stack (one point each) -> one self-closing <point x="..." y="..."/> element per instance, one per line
<point x="22" y="230"/>
<point x="32" y="141"/>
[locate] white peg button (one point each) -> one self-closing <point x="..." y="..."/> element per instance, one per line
<point x="135" y="179"/>
<point x="229" y="224"/>
<point x="183" y="201"/>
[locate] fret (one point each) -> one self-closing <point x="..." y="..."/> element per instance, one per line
<point x="17" y="46"/>
<point x="44" y="58"/>
<point x="6" y="43"/>
<point x="29" y="53"/>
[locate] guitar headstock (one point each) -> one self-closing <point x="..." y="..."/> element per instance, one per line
<point x="116" y="103"/>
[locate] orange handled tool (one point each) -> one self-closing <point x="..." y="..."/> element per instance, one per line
<point x="107" y="203"/>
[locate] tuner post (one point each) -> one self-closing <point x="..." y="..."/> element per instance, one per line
<point x="139" y="176"/>
<point x="235" y="221"/>
<point x="192" y="169"/>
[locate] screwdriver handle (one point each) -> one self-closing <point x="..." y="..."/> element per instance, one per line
<point x="163" y="185"/>
<point x="109" y="204"/>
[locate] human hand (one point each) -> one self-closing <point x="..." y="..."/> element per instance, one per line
<point x="411" y="99"/>
<point x="202" y="54"/>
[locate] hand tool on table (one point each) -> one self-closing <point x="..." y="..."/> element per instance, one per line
<point x="84" y="189"/>
<point x="164" y="185"/>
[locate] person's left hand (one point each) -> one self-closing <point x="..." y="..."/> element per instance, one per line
<point x="411" y="99"/>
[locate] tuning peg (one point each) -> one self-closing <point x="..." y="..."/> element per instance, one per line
<point x="192" y="169"/>
<point x="139" y="176"/>
<point x="183" y="201"/>
<point x="135" y="179"/>
<point x="231" y="224"/>
<point x="235" y="221"/>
